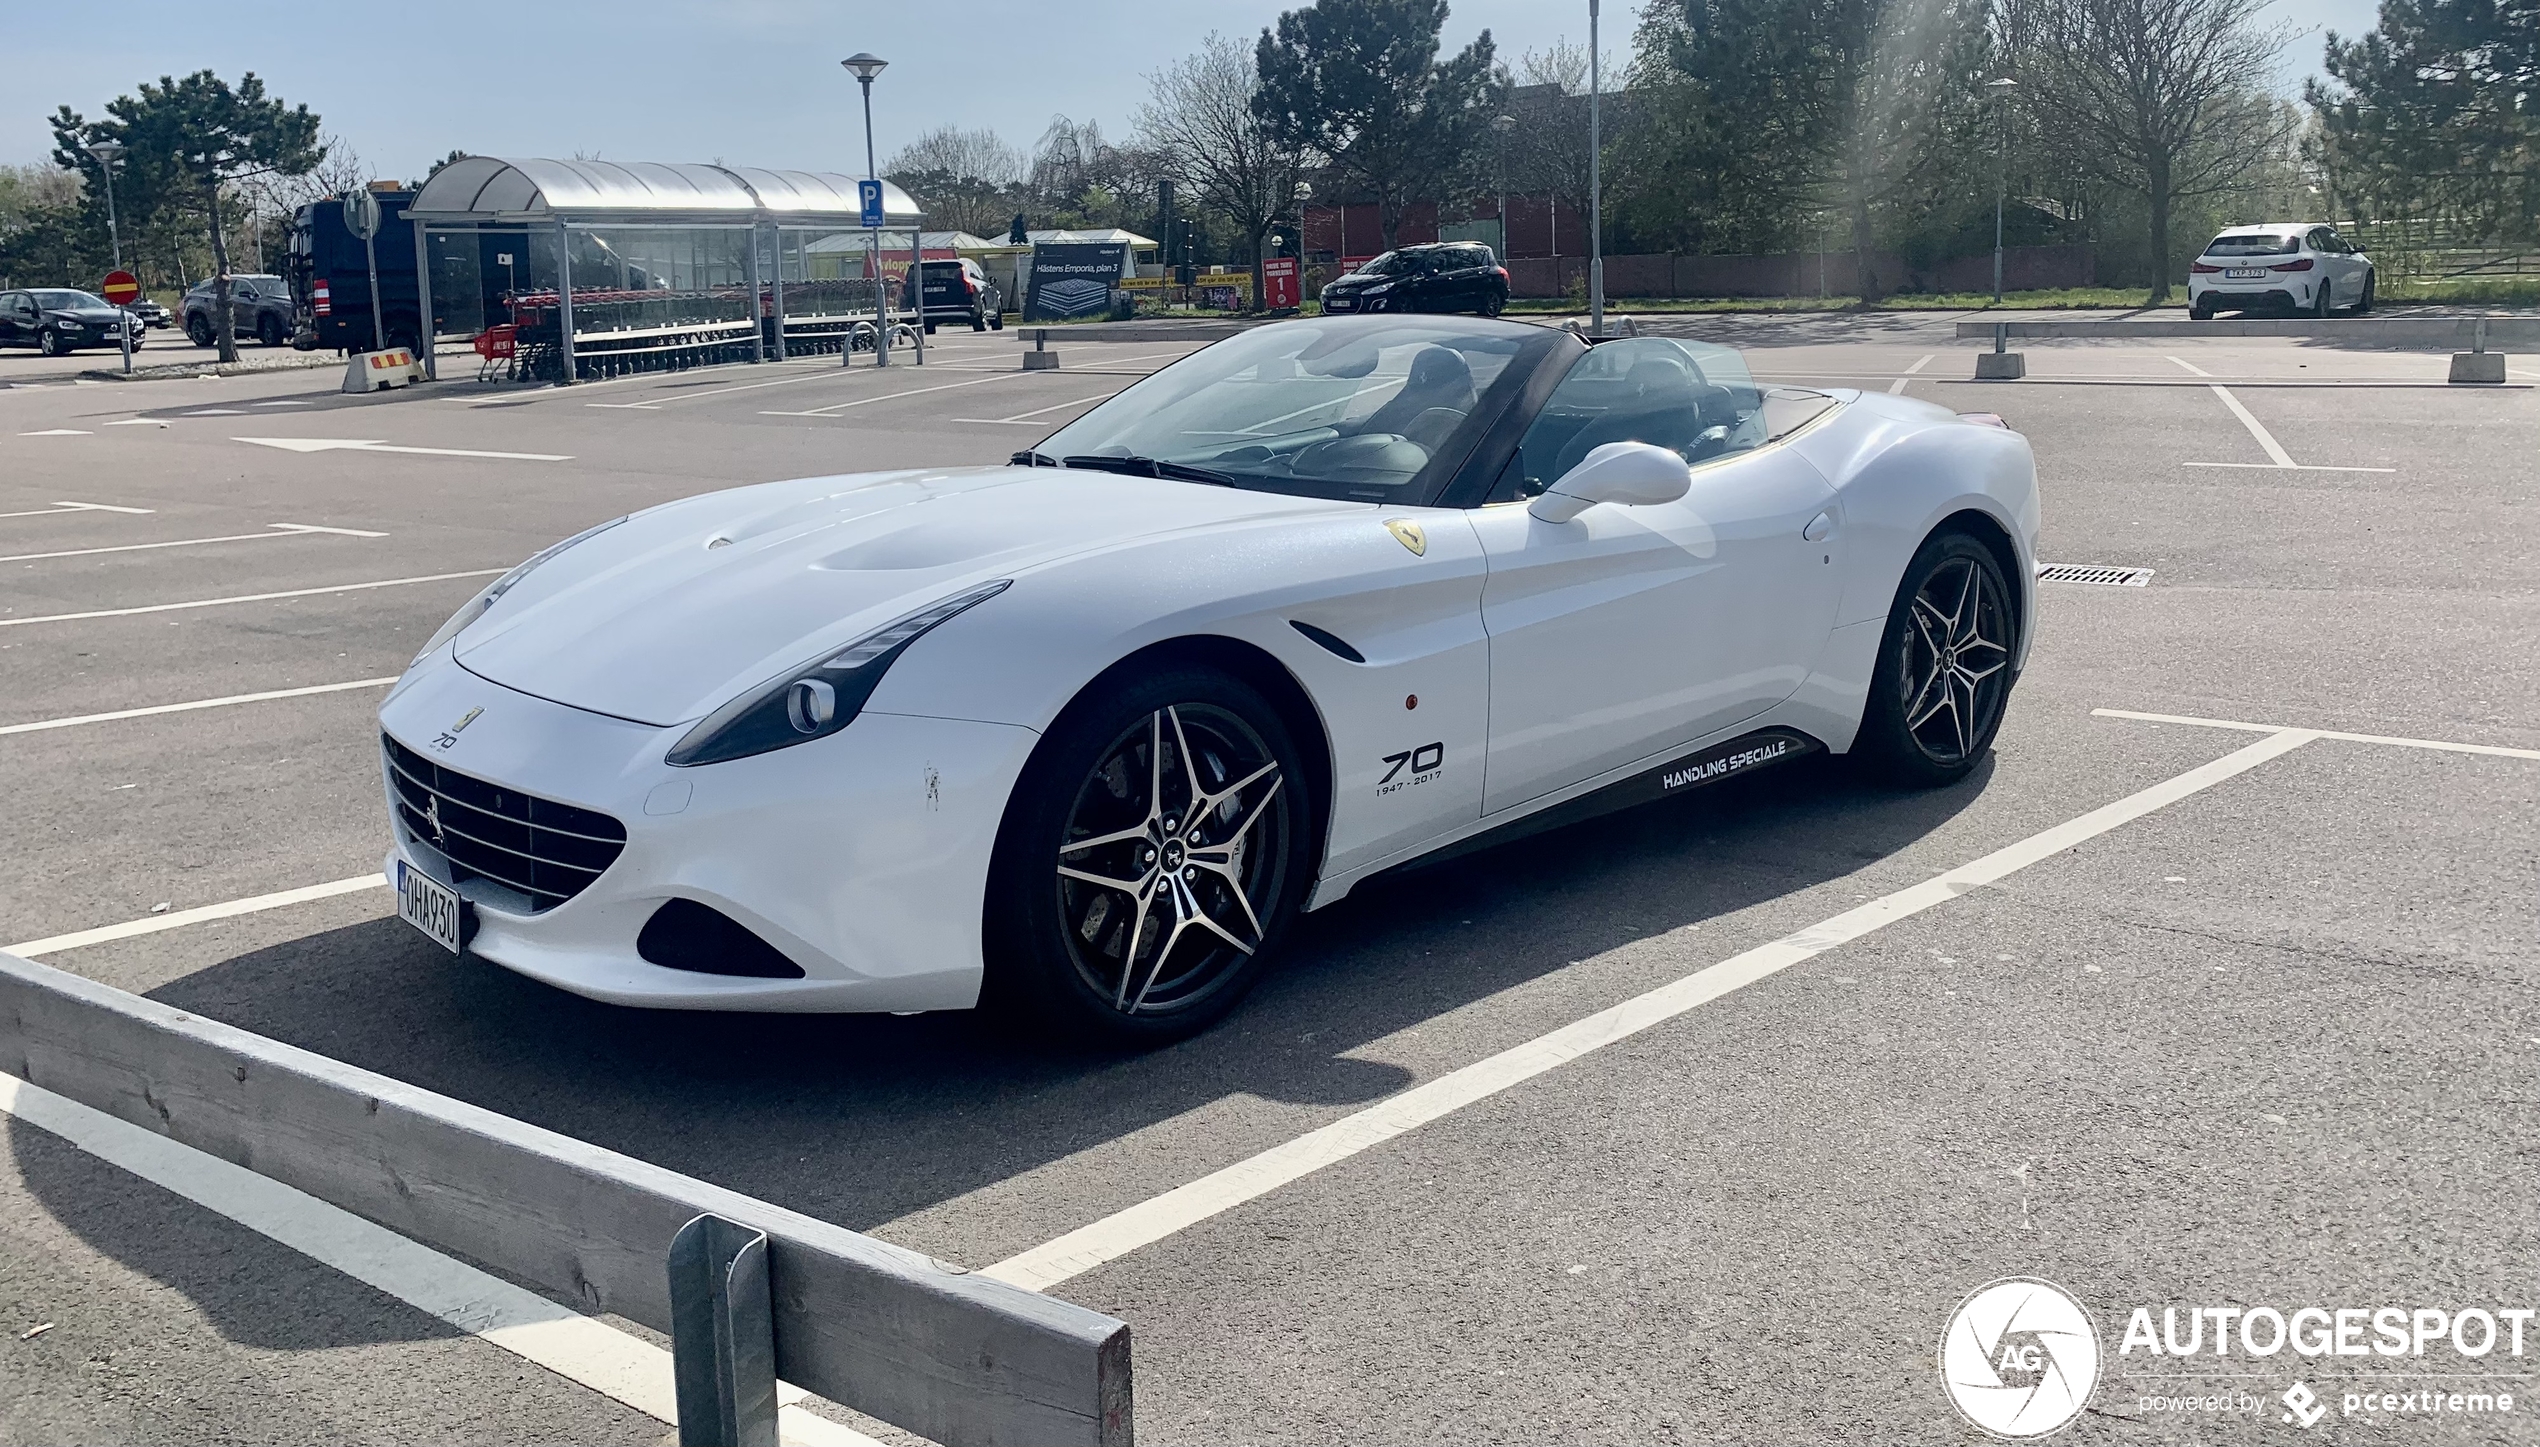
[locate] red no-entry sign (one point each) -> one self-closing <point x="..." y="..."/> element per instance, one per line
<point x="121" y="287"/>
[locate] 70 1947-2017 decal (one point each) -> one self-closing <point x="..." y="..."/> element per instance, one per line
<point x="1424" y="764"/>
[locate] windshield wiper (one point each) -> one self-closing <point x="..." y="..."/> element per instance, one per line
<point x="1028" y="458"/>
<point x="1148" y="467"/>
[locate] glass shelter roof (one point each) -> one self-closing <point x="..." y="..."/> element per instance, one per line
<point x="490" y="190"/>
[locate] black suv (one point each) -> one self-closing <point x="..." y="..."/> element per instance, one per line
<point x="54" y="320"/>
<point x="956" y="291"/>
<point x="1443" y="276"/>
<point x="259" y="307"/>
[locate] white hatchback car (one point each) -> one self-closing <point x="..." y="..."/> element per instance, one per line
<point x="2287" y="265"/>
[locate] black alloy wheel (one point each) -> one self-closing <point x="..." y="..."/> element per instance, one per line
<point x="2363" y="303"/>
<point x="1944" y="669"/>
<point x="1494" y="303"/>
<point x="198" y="330"/>
<point x="1150" y="862"/>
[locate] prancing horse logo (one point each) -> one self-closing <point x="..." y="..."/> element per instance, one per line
<point x="1409" y="535"/>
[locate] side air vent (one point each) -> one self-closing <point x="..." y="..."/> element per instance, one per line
<point x="2091" y="573"/>
<point x="1327" y="642"/>
<point x="686" y="935"/>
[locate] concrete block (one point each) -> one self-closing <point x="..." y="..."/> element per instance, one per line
<point x="2478" y="366"/>
<point x="2000" y="366"/>
<point x="1040" y="361"/>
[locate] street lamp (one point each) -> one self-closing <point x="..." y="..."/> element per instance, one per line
<point x="107" y="153"/>
<point x="1998" y="93"/>
<point x="865" y="65"/>
<point x="1504" y="126"/>
<point x="1596" y="185"/>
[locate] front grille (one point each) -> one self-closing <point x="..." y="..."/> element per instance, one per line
<point x="538" y="847"/>
<point x="2091" y="573"/>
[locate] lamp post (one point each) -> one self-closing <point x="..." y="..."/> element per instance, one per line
<point x="1999" y="93"/>
<point x="107" y="153"/>
<point x="865" y="65"/>
<point x="1504" y="127"/>
<point x="1596" y="184"/>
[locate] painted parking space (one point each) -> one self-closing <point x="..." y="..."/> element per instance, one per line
<point x="1829" y="1111"/>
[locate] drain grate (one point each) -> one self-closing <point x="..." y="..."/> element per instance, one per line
<point x="2093" y="573"/>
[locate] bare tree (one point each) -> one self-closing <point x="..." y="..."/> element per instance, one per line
<point x="964" y="179"/>
<point x="2170" y="96"/>
<point x="1548" y="147"/>
<point x="1200" y="118"/>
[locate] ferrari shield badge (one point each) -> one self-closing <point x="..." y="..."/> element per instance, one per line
<point x="1409" y="535"/>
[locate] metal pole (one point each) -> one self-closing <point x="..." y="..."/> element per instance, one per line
<point x="114" y="239"/>
<point x="564" y="298"/>
<point x="758" y="327"/>
<point x="378" y="323"/>
<point x="779" y="290"/>
<point x="2001" y="187"/>
<point x="873" y="252"/>
<point x="425" y="333"/>
<point x="917" y="278"/>
<point x="1596" y="184"/>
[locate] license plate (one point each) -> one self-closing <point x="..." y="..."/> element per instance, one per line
<point x="2245" y="273"/>
<point x="431" y="906"/>
<point x="1339" y="304"/>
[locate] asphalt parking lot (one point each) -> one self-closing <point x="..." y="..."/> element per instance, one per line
<point x="2266" y="1038"/>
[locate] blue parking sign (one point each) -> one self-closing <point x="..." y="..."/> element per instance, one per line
<point x="870" y="193"/>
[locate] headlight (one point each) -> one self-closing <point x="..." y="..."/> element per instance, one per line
<point x="1379" y="286"/>
<point x="819" y="699"/>
<point x="475" y="607"/>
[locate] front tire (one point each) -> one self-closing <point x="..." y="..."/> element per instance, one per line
<point x="49" y="342"/>
<point x="1150" y="862"/>
<point x="2363" y="303"/>
<point x="1944" y="669"/>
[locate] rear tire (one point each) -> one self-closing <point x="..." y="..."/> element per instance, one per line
<point x="1494" y="304"/>
<point x="979" y="320"/>
<point x="198" y="331"/>
<point x="2201" y="311"/>
<point x="1944" y="668"/>
<point x="1106" y="926"/>
<point x="2321" y="299"/>
<point x="269" y="331"/>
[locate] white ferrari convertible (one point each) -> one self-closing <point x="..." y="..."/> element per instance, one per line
<point x="1079" y="736"/>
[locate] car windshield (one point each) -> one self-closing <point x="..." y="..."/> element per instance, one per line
<point x="2269" y="244"/>
<point x="1396" y="263"/>
<point x="1344" y="407"/>
<point x="1696" y="399"/>
<point x="69" y="299"/>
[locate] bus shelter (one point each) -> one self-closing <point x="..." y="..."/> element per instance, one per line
<point x="581" y="269"/>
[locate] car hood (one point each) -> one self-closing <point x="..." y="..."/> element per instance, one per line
<point x="99" y="314"/>
<point x="666" y="616"/>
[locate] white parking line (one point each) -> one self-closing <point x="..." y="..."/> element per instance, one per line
<point x="90" y="718"/>
<point x="247" y="598"/>
<point x="280" y="530"/>
<point x="364" y="444"/>
<point x="58" y="432"/>
<point x="1152" y="1220"/>
<point x="1023" y="419"/>
<point x="2277" y="457"/>
<point x="1928" y="359"/>
<point x="2445" y="746"/>
<point x="2191" y="366"/>
<point x="837" y="407"/>
<point x="179" y="919"/>
<point x="618" y="1365"/>
<point x="63" y="507"/>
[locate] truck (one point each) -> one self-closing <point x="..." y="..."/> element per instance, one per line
<point x="329" y="274"/>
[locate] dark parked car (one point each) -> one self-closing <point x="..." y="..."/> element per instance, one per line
<point x="153" y="316"/>
<point x="957" y="291"/>
<point x="259" y="307"/>
<point x="1443" y="276"/>
<point x="55" y="320"/>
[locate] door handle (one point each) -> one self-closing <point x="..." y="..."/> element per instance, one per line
<point x="1818" y="527"/>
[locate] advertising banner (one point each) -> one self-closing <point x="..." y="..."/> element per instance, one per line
<point x="1074" y="279"/>
<point x="1279" y="283"/>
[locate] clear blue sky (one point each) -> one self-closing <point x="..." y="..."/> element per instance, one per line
<point x="753" y="82"/>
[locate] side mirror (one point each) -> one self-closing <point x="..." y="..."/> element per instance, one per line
<point x="1634" y="474"/>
